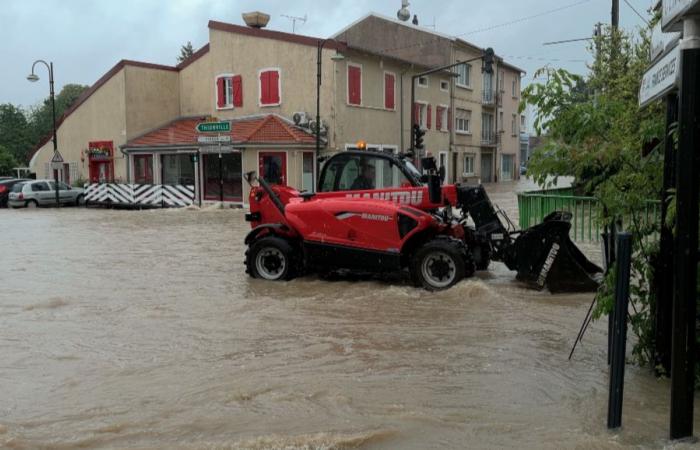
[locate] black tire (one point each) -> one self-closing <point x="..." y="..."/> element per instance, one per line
<point x="441" y="263"/>
<point x="79" y="200"/>
<point x="272" y="258"/>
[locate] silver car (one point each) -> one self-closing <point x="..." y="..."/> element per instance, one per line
<point x="31" y="194"/>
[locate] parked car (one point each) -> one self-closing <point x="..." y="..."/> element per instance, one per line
<point x="31" y="194"/>
<point x="5" y="188"/>
<point x="523" y="169"/>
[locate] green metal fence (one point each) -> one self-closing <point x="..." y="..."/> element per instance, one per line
<point x="533" y="207"/>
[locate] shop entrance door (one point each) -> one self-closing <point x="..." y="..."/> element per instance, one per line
<point x="272" y="166"/>
<point x="223" y="178"/>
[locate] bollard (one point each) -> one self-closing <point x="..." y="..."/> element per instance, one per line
<point x="619" y="329"/>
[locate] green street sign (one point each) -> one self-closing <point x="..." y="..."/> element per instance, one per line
<point x="213" y="127"/>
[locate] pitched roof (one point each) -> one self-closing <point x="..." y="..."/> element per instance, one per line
<point x="260" y="129"/>
<point x="278" y="35"/>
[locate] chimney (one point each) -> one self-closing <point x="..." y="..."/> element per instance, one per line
<point x="256" y="19"/>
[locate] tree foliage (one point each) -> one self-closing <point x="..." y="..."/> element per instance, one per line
<point x="186" y="51"/>
<point x="596" y="132"/>
<point x="7" y="162"/>
<point x="15" y="135"/>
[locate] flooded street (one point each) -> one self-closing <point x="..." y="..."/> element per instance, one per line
<point x="140" y="329"/>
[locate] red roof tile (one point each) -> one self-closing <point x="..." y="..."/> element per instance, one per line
<point x="268" y="129"/>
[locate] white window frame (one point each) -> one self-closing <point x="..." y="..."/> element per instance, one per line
<point x="227" y="105"/>
<point x="468" y="131"/>
<point x="383" y="90"/>
<point x="466" y="156"/>
<point x="447" y="86"/>
<point x="423" y="115"/>
<point x="445" y="126"/>
<point x="279" y="87"/>
<point x="347" y="84"/>
<point x="515" y="86"/>
<point x="469" y="69"/>
<point x="427" y="81"/>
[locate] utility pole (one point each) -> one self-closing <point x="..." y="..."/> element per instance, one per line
<point x="615" y="20"/>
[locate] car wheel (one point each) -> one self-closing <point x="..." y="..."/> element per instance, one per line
<point x="441" y="263"/>
<point x="271" y="258"/>
<point x="31" y="204"/>
<point x="80" y="200"/>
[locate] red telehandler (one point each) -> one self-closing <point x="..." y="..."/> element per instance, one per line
<point x="374" y="212"/>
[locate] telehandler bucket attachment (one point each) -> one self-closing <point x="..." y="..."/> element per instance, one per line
<point x="545" y="256"/>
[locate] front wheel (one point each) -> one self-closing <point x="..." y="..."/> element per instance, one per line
<point x="441" y="263"/>
<point x="271" y="258"/>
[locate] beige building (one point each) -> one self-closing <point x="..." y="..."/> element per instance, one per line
<point x="137" y="123"/>
<point x="483" y="108"/>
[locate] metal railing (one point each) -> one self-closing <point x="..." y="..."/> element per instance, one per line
<point x="489" y="97"/>
<point x="586" y="225"/>
<point x="489" y="137"/>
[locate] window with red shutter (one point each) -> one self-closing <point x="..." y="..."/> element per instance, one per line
<point x="237" y="91"/>
<point x="220" y="92"/>
<point x="270" y="88"/>
<point x="429" y="116"/>
<point x="354" y="85"/>
<point x="389" y="90"/>
<point x="438" y="117"/>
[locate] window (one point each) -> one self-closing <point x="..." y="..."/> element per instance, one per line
<point x="468" y="164"/>
<point x="229" y="91"/>
<point x="143" y="169"/>
<point x="507" y="167"/>
<point x="270" y="87"/>
<point x="515" y="87"/>
<point x="444" y="85"/>
<point x="389" y="90"/>
<point x="487" y="134"/>
<point x="307" y="172"/>
<point x="177" y="169"/>
<point x="355" y="172"/>
<point x="441" y="118"/>
<point x="423" y="81"/>
<point x="464" y="75"/>
<point x="421" y="112"/>
<point x="40" y="187"/>
<point x="462" y="121"/>
<point x="514" y="125"/>
<point x="502" y="81"/>
<point x="354" y="84"/>
<point x="501" y="122"/>
<point x="522" y="121"/>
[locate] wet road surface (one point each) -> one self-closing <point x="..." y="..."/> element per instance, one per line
<point x="127" y="329"/>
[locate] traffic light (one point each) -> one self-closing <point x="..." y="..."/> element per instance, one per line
<point x="418" y="134"/>
<point x="488" y="60"/>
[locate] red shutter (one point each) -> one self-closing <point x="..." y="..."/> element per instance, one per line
<point x="269" y="88"/>
<point x="429" y="116"/>
<point x="220" y="92"/>
<point x="264" y="88"/>
<point x="274" y="87"/>
<point x="354" y="85"/>
<point x="438" y="117"/>
<point x="389" y="91"/>
<point x="237" y="90"/>
<point x="416" y="113"/>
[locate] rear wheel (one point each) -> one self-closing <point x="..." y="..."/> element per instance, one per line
<point x="80" y="200"/>
<point x="31" y="204"/>
<point x="441" y="263"/>
<point x="271" y="258"/>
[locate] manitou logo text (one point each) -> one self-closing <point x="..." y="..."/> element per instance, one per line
<point x="548" y="264"/>
<point x="403" y="197"/>
<point x="377" y="217"/>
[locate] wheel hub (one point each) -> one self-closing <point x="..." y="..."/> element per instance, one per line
<point x="439" y="269"/>
<point x="270" y="263"/>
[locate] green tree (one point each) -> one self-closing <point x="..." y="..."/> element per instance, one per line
<point x="15" y="135"/>
<point x="7" y="162"/>
<point x="186" y="51"/>
<point x="41" y="117"/>
<point x="596" y="133"/>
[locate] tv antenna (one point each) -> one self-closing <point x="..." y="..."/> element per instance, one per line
<point x="294" y="21"/>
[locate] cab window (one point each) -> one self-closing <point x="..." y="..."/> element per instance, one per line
<point x="354" y="172"/>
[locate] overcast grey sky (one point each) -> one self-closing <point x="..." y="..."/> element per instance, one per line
<point x="85" y="38"/>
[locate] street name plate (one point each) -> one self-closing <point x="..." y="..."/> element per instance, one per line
<point x="673" y="12"/>
<point x="660" y="41"/>
<point x="661" y="78"/>
<point x="213" y="139"/>
<point x="213" y="127"/>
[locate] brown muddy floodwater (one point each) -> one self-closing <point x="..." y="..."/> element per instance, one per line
<point x="128" y="329"/>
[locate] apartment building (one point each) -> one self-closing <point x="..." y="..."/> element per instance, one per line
<point x="137" y="123"/>
<point x="483" y="108"/>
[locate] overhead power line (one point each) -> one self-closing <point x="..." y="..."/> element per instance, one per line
<point x="637" y="12"/>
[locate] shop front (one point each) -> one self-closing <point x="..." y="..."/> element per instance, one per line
<point x="101" y="161"/>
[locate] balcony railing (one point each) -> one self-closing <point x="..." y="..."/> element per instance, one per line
<point x="489" y="97"/>
<point x="489" y="137"/>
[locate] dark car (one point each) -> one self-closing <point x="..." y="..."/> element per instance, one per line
<point x="6" y="187"/>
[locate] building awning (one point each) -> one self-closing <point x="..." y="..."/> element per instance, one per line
<point x="268" y="129"/>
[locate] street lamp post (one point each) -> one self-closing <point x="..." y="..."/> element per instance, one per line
<point x="336" y="57"/>
<point x="33" y="78"/>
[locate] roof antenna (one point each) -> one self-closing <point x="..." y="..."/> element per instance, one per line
<point x="294" y="21"/>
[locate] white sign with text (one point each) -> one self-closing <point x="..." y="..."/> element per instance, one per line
<point x="661" y="78"/>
